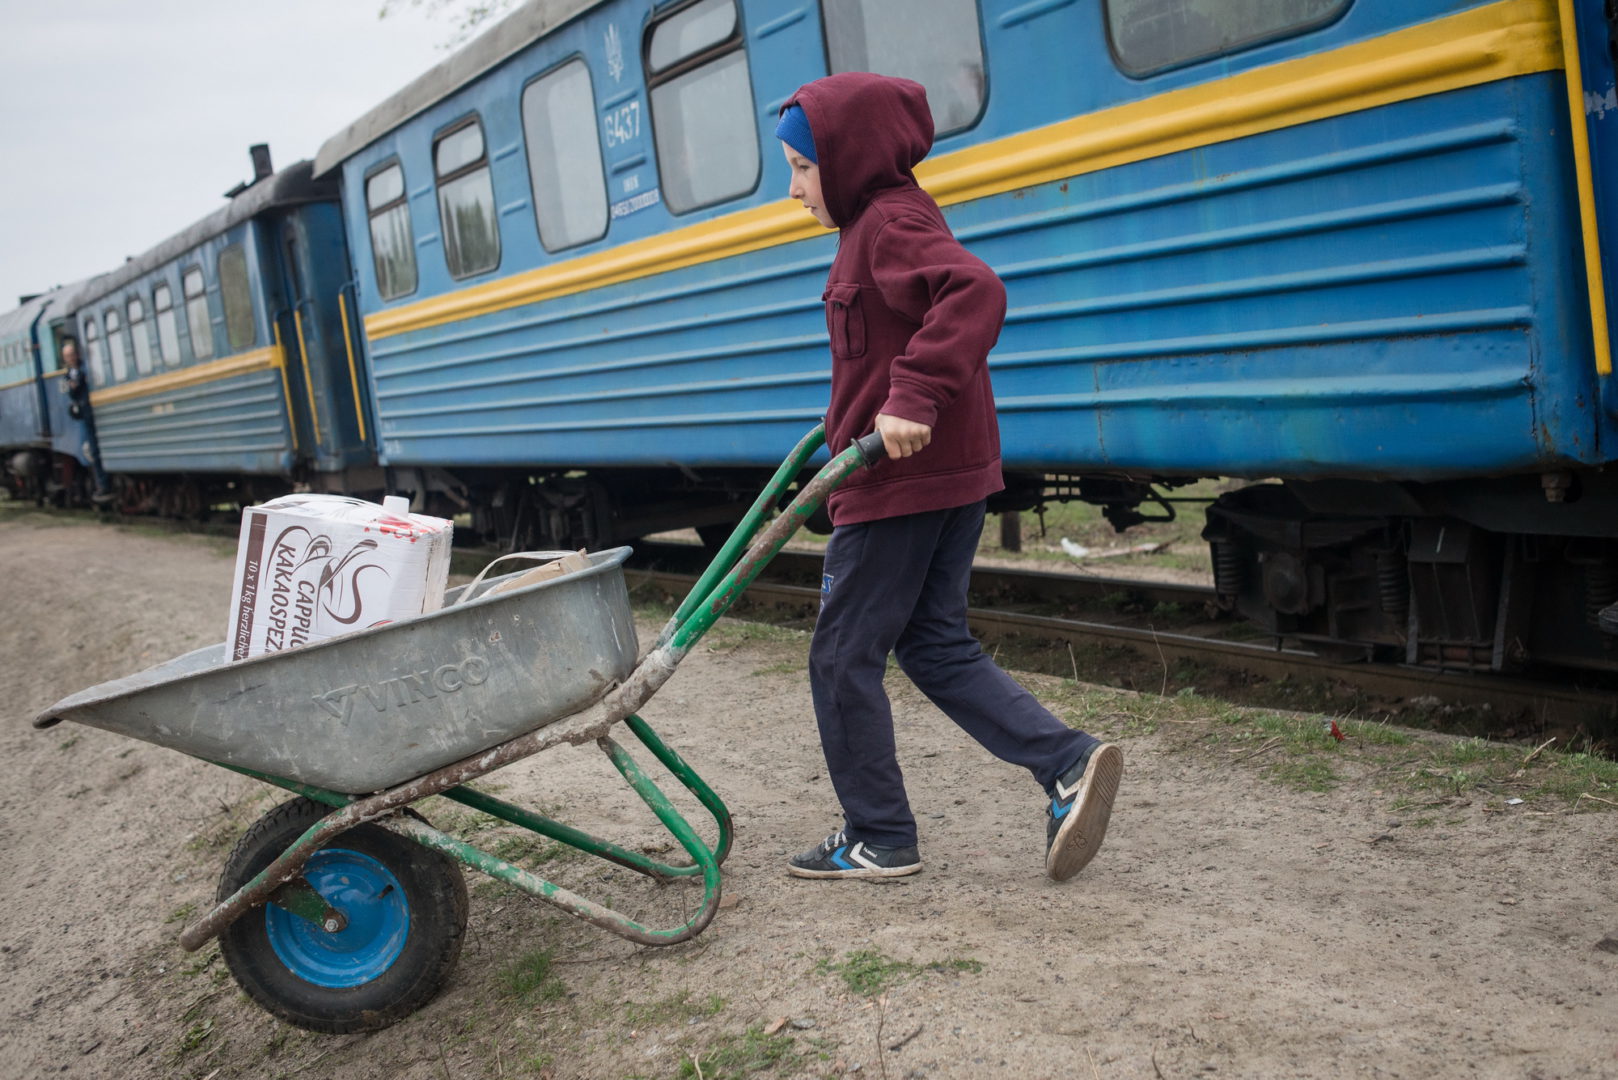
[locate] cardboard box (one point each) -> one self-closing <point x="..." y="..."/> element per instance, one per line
<point x="310" y="567"/>
<point x="571" y="563"/>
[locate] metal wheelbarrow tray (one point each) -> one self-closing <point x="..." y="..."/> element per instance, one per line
<point x="344" y="912"/>
<point x="372" y="709"/>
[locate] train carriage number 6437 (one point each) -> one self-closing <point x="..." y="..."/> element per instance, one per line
<point x="622" y="124"/>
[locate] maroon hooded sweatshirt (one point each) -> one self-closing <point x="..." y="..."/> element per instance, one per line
<point x="912" y="314"/>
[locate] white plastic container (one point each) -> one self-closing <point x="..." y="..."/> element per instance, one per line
<point x="311" y="567"/>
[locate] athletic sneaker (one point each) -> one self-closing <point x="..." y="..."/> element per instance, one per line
<point x="836" y="857"/>
<point x="1081" y="804"/>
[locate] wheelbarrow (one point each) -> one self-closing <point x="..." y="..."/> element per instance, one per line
<point x="343" y="909"/>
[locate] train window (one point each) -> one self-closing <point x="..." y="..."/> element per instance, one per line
<point x="237" y="294"/>
<point x="196" y="313"/>
<point x="564" y="157"/>
<point x="1150" y="35"/>
<point x="702" y="105"/>
<point x="391" y="247"/>
<point x="935" y="42"/>
<point x="466" y="201"/>
<point x="168" y="333"/>
<point x="138" y="335"/>
<point x="94" y="358"/>
<point x="115" y="344"/>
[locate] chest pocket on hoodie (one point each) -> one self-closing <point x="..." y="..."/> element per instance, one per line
<point x="845" y="318"/>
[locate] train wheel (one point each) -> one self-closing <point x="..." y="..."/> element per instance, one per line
<point x="406" y="911"/>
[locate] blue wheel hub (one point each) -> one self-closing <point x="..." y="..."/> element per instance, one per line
<point x="378" y="915"/>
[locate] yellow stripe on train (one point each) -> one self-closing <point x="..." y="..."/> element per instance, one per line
<point x="224" y="368"/>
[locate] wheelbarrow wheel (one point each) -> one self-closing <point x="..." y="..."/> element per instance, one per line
<point x="406" y="911"/>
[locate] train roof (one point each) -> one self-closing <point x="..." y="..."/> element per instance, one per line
<point x="292" y="186"/>
<point x="505" y="39"/>
<point x="19" y="319"/>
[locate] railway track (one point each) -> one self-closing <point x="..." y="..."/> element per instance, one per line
<point x="1164" y="655"/>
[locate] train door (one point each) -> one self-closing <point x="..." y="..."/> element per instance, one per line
<point x="1597" y="36"/>
<point x="323" y="347"/>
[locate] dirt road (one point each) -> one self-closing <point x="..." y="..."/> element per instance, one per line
<point x="1270" y="903"/>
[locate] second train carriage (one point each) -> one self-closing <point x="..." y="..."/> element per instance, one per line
<point x="24" y="428"/>
<point x="47" y="441"/>
<point x="222" y="363"/>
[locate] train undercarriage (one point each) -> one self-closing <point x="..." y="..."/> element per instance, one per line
<point x="1503" y="575"/>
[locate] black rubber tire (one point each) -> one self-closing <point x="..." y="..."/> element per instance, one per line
<point x="434" y="891"/>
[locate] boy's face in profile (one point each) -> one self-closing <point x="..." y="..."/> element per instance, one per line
<point x="806" y="185"/>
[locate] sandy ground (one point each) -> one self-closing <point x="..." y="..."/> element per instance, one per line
<point x="1231" y="926"/>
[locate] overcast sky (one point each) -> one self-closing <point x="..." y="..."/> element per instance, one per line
<point x="123" y="122"/>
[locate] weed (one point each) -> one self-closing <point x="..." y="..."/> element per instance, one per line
<point x="734" y="633"/>
<point x="1310" y="774"/>
<point x="531" y="976"/>
<point x="68" y="744"/>
<point x="785" y="667"/>
<point x="868" y="973"/>
<point x="1573" y="775"/>
<point x="218" y="837"/>
<point x="515" y="849"/>
<point x="678" y="1007"/>
<point x="1378" y="733"/>
<point x="202" y="963"/>
<point x="195" y="1035"/>
<point x="732" y="1057"/>
<point x="181" y="913"/>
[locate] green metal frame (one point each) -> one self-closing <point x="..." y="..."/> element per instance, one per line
<point x="294" y="897"/>
<point x="743" y="557"/>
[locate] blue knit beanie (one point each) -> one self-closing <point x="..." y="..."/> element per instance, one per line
<point x="793" y="129"/>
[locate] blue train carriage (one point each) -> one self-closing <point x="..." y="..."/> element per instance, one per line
<point x="1357" y="247"/>
<point x="25" y="434"/>
<point x="221" y="365"/>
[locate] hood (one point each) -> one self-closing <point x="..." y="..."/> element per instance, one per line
<point x="870" y="132"/>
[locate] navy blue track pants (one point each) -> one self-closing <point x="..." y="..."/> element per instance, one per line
<point x="899" y="585"/>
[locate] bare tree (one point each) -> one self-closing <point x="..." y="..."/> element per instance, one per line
<point x="466" y="16"/>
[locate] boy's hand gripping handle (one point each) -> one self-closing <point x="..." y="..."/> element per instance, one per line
<point x="872" y="448"/>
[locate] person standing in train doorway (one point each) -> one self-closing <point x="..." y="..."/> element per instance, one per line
<point x="912" y="317"/>
<point x="76" y="385"/>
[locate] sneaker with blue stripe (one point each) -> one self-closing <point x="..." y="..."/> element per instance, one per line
<point x="838" y="857"/>
<point x="1081" y="806"/>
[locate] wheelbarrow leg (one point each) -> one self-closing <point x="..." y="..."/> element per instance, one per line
<point x="687" y="776"/>
<point x="570" y="902"/>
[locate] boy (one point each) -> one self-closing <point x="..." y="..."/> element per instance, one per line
<point x="912" y="317"/>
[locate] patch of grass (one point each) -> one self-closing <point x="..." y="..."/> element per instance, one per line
<point x="1309" y="774"/>
<point x="734" y="1057"/>
<point x="528" y="848"/>
<point x="68" y="744"/>
<point x="1376" y="733"/>
<point x="203" y="962"/>
<point x="785" y="667"/>
<point x="220" y="836"/>
<point x="868" y="973"/>
<point x="734" y="633"/>
<point x="195" y="1035"/>
<point x="181" y="913"/>
<point x="1571" y="776"/>
<point x="673" y="1009"/>
<point x="531" y="977"/>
